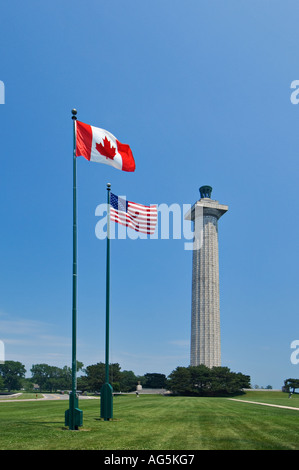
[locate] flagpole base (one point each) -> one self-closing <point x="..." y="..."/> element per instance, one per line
<point x="106" y="402"/>
<point x="73" y="416"/>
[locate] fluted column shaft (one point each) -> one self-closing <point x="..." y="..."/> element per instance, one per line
<point x="205" y="314"/>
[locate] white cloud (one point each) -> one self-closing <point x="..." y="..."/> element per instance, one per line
<point x="33" y="342"/>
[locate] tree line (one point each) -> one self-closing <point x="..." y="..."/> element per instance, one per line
<point x="52" y="378"/>
<point x="193" y="380"/>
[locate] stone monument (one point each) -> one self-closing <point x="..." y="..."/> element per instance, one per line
<point x="205" y="315"/>
<point x="139" y="387"/>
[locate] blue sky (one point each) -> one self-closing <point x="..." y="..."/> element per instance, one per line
<point x="201" y="92"/>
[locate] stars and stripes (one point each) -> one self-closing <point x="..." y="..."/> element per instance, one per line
<point x="136" y="216"/>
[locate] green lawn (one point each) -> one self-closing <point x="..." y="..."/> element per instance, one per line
<point x="274" y="398"/>
<point x="155" y="423"/>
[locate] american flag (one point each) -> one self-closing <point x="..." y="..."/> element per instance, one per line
<point x="136" y="216"/>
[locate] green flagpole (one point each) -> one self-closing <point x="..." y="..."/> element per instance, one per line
<point x="74" y="416"/>
<point x="107" y="286"/>
<point x="106" y="390"/>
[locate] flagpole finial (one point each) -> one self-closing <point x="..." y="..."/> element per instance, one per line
<point x="74" y="112"/>
<point x="108" y="185"/>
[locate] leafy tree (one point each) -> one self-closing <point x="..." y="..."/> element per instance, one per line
<point x="179" y="381"/>
<point x="128" y="381"/>
<point x="41" y="374"/>
<point x="2" y="386"/>
<point x="12" y="373"/>
<point x="52" y="377"/>
<point x="59" y="379"/>
<point x="66" y="378"/>
<point x="224" y="381"/>
<point x="27" y="384"/>
<point x="141" y="379"/>
<point x="291" y="383"/>
<point x="155" y="380"/>
<point x="201" y="380"/>
<point x="95" y="376"/>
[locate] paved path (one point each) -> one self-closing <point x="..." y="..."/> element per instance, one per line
<point x="25" y="399"/>
<point x="7" y="397"/>
<point x="55" y="396"/>
<point x="65" y="396"/>
<point x="48" y="396"/>
<point x="265" y="404"/>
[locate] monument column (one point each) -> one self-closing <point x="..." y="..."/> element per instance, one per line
<point x="205" y="315"/>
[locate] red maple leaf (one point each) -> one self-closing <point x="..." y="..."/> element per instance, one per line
<point x="107" y="150"/>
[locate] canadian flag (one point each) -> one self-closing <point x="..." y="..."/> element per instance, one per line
<point x="98" y="145"/>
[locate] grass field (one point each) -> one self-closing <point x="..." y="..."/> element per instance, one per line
<point x="154" y="422"/>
